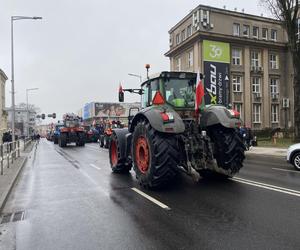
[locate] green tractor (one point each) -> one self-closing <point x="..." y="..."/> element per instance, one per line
<point x="168" y="135"/>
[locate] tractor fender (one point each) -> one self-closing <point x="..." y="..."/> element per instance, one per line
<point x="153" y="116"/>
<point x="124" y="141"/>
<point x="215" y="114"/>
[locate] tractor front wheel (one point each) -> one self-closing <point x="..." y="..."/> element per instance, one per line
<point x="155" y="156"/>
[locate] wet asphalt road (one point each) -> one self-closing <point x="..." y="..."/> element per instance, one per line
<point x="73" y="201"/>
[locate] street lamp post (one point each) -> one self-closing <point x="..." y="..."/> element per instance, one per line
<point x="15" y="18"/>
<point x="27" y="90"/>
<point x="139" y="76"/>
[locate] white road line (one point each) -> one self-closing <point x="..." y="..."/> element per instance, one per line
<point x="94" y="166"/>
<point x="148" y="197"/>
<point x="286" y="170"/>
<point x="267" y="186"/>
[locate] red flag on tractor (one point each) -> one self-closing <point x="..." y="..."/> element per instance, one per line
<point x="199" y="100"/>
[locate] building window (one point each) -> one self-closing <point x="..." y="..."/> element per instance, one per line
<point x="274" y="86"/>
<point x="236" y="56"/>
<point x="189" y="30"/>
<point x="190" y="59"/>
<point x="255" y="33"/>
<point x="275" y="113"/>
<point x="265" y="33"/>
<point x="236" y="29"/>
<point x="274" y="35"/>
<point x="255" y="62"/>
<point x="256" y="113"/>
<point x="274" y="64"/>
<point x="177" y="39"/>
<point x="178" y="64"/>
<point x="237" y="84"/>
<point x="256" y="85"/>
<point x="238" y="108"/>
<point x="183" y="35"/>
<point x="246" y="30"/>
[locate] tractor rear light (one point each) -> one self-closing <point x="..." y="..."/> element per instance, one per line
<point x="158" y="99"/>
<point x="167" y="116"/>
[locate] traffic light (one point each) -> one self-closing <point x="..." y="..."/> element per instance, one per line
<point x="43" y="116"/>
<point x="54" y="115"/>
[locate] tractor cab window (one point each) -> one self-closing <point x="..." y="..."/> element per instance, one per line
<point x="149" y="89"/>
<point x="180" y="93"/>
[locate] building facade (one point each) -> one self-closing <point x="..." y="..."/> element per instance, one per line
<point x="21" y="123"/>
<point x="3" y="113"/>
<point x="260" y="71"/>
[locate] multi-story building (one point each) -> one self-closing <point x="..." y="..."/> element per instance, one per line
<point x="255" y="66"/>
<point x="3" y="113"/>
<point x="21" y="119"/>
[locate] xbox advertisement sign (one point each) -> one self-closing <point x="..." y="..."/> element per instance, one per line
<point x="216" y="71"/>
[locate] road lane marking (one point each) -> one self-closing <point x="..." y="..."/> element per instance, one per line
<point x="94" y="166"/>
<point x="267" y="186"/>
<point x="287" y="170"/>
<point x="148" y="197"/>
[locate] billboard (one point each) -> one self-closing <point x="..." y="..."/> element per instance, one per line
<point x="216" y="57"/>
<point x="87" y="111"/>
<point x="115" y="110"/>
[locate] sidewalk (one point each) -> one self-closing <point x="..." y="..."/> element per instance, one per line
<point x="11" y="174"/>
<point x="281" y="152"/>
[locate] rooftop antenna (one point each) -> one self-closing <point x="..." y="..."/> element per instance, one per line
<point x="235" y="9"/>
<point x="243" y="10"/>
<point x="262" y="14"/>
<point x="224" y="7"/>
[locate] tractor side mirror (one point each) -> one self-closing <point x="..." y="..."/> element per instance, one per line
<point x="121" y="96"/>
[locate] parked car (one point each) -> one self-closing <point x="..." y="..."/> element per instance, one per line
<point x="293" y="155"/>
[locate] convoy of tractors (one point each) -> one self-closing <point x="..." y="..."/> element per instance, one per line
<point x="166" y="136"/>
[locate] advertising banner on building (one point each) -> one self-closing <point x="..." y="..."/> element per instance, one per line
<point x="87" y="111"/>
<point x="216" y="57"/>
<point x="113" y="110"/>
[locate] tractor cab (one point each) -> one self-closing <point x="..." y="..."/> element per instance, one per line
<point x="173" y="88"/>
<point x="176" y="89"/>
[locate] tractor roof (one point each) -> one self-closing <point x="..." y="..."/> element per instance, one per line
<point x="171" y="74"/>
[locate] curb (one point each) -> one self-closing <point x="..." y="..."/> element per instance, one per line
<point x="9" y="189"/>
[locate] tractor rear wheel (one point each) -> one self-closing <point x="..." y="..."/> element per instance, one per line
<point x="81" y="140"/>
<point x="155" y="156"/>
<point x="62" y="140"/>
<point x="101" y="141"/>
<point x="118" y="165"/>
<point x="106" y="141"/>
<point x="228" y="148"/>
<point x="55" y="140"/>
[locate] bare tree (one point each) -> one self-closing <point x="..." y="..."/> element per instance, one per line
<point x="288" y="12"/>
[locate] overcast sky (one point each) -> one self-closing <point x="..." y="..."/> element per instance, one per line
<point x="82" y="49"/>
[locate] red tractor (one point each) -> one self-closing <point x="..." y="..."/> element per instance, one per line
<point x="71" y="131"/>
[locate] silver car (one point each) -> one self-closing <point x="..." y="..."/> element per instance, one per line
<point x="293" y="155"/>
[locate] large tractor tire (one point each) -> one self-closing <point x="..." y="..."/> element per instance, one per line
<point x="228" y="151"/>
<point x="101" y="141"/>
<point x="106" y="141"/>
<point x="81" y="139"/>
<point x="155" y="156"/>
<point x="62" y="140"/>
<point x="117" y="163"/>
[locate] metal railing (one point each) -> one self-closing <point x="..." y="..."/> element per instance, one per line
<point x="9" y="152"/>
